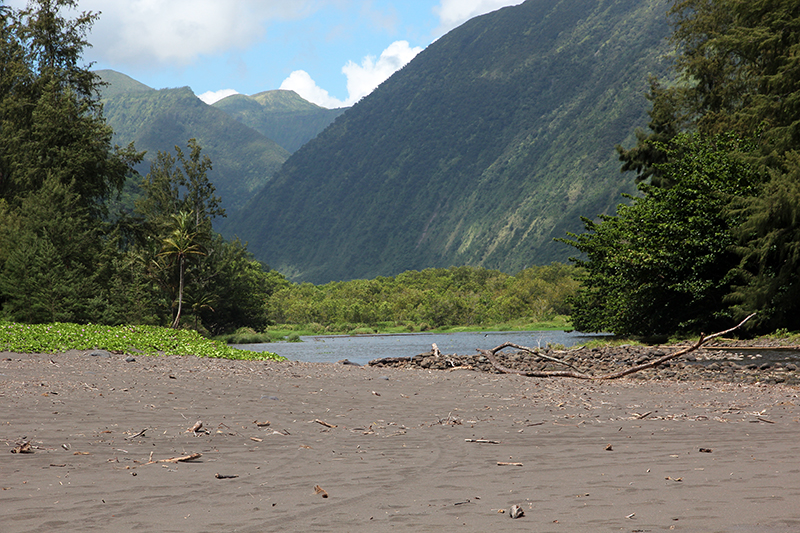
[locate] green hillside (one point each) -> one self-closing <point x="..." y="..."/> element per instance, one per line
<point x="283" y="116"/>
<point x="243" y="158"/>
<point x="490" y="143"/>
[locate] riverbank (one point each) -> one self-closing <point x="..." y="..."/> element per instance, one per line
<point x="724" y="362"/>
<point x="411" y="449"/>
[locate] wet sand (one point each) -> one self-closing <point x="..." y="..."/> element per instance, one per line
<point x="394" y="449"/>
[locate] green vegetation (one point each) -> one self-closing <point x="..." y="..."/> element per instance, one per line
<point x="432" y="299"/>
<point x="716" y="235"/>
<point x="154" y="120"/>
<point x="282" y="116"/>
<point x="71" y="250"/>
<point x="490" y="143"/>
<point x="148" y="340"/>
<point x="659" y="266"/>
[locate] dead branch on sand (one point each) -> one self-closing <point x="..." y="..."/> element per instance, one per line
<point x="490" y="355"/>
<point x="181" y="459"/>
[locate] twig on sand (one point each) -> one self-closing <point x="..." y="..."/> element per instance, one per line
<point x="181" y="459"/>
<point x="318" y="421"/>
<point x="140" y="434"/>
<point x="482" y="441"/>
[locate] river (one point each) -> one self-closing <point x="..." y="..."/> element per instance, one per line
<point x="361" y="349"/>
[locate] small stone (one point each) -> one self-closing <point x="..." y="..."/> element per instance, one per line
<point x="130" y="359"/>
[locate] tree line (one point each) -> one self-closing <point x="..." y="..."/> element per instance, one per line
<point x="431" y="298"/>
<point x="715" y="232"/>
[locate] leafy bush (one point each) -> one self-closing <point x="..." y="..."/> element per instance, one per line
<point x="150" y="340"/>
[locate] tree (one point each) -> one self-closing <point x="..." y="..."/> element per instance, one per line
<point x="180" y="183"/>
<point x="180" y="245"/>
<point x="663" y="263"/>
<point x="57" y="167"/>
<point x="737" y="71"/>
<point x="50" y="112"/>
<point x="768" y="242"/>
<point x="48" y="271"/>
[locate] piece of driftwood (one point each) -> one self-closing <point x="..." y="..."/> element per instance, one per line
<point x="25" y="447"/>
<point x="181" y="459"/>
<point x="501" y="463"/>
<point x="320" y="490"/>
<point x="483" y="441"/>
<point x="140" y="434"/>
<point x="490" y="354"/>
<point x="318" y="421"/>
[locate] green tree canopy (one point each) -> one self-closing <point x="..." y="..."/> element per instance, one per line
<point x="663" y="263"/>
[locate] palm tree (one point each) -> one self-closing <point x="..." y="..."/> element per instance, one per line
<point x="180" y="244"/>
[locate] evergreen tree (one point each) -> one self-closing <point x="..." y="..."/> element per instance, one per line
<point x="737" y="70"/>
<point x="57" y="166"/>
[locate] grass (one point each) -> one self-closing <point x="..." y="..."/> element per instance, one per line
<point x="149" y="340"/>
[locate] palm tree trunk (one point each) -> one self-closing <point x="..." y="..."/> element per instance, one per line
<point x="180" y="295"/>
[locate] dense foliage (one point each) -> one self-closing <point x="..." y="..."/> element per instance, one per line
<point x="480" y="151"/>
<point x="732" y="245"/>
<point x="662" y="264"/>
<point x="431" y="298"/>
<point x="70" y="250"/>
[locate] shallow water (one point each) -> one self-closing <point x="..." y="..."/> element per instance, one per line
<point x="364" y="348"/>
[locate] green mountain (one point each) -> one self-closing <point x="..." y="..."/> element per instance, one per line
<point x="243" y="159"/>
<point x="488" y="145"/>
<point x="283" y="116"/>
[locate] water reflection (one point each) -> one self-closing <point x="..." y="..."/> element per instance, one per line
<point x="363" y="348"/>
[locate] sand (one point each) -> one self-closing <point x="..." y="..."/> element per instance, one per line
<point x="393" y="449"/>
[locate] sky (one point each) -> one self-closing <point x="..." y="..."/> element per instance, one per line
<point x="331" y="52"/>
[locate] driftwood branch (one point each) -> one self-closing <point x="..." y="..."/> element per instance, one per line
<point x="181" y="459"/>
<point x="490" y="354"/>
<point x="533" y="352"/>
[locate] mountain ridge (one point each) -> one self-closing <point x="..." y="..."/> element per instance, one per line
<point x="461" y="156"/>
<point x="280" y="115"/>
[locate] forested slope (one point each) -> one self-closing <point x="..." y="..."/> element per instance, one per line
<point x="244" y="159"/>
<point x="490" y="143"/>
<point x="283" y="116"/>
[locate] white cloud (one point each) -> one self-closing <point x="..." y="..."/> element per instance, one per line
<point x="361" y="79"/>
<point x="364" y="78"/>
<point x="210" y="97"/>
<point x="453" y="13"/>
<point x="301" y="82"/>
<point x="178" y="32"/>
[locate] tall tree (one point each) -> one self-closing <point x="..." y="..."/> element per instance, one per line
<point x="737" y="70"/>
<point x="57" y="165"/>
<point x="176" y="210"/>
<point x="180" y="245"/>
<point x="50" y="112"/>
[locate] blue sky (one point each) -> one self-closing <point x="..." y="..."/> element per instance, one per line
<point x="332" y="52"/>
